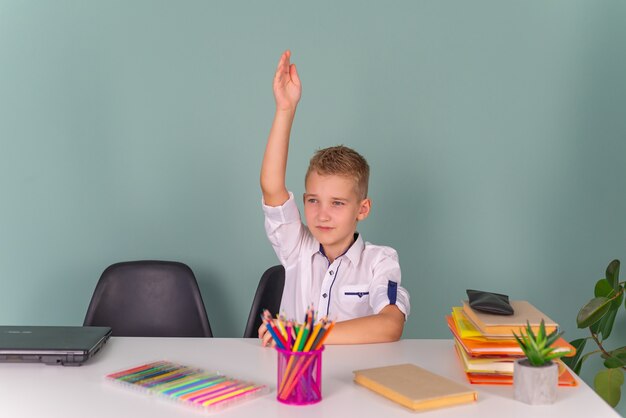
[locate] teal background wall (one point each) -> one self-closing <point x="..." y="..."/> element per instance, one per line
<point x="495" y="130"/>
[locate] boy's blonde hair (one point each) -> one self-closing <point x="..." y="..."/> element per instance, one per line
<point x="341" y="161"/>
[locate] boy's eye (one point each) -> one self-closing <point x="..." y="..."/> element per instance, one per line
<point x="311" y="200"/>
<point x="337" y="203"/>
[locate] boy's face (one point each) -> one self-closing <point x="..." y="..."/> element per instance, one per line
<point x="332" y="209"/>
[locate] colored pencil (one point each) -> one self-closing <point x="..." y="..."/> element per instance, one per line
<point x="272" y="332"/>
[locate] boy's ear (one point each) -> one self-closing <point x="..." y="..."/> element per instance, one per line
<point x="364" y="209"/>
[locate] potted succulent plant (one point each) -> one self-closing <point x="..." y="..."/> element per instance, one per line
<point x="535" y="378"/>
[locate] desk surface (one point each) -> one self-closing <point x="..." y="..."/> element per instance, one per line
<point x="37" y="390"/>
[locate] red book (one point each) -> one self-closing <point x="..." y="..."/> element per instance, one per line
<point x="565" y="379"/>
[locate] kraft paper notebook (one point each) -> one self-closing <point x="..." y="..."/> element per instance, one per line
<point x="504" y="325"/>
<point x="414" y="387"/>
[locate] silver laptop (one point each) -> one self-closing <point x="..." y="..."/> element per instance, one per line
<point x="67" y="346"/>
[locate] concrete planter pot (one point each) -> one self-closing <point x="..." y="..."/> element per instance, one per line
<point x="535" y="385"/>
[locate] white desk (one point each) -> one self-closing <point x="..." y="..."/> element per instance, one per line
<point x="37" y="390"/>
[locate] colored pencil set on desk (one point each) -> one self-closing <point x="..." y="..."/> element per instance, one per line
<point x="187" y="385"/>
<point x="299" y="349"/>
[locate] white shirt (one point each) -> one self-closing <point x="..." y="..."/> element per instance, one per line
<point x="361" y="282"/>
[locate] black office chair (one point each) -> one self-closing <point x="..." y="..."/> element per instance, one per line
<point x="149" y="299"/>
<point x="268" y="295"/>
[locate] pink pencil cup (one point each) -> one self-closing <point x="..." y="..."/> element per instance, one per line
<point x="299" y="377"/>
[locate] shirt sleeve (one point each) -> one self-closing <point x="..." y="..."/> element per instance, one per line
<point x="284" y="228"/>
<point x="385" y="287"/>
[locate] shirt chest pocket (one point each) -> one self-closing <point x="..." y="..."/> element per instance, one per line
<point x="354" y="294"/>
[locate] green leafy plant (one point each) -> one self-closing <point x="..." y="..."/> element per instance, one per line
<point x="598" y="315"/>
<point x="538" y="348"/>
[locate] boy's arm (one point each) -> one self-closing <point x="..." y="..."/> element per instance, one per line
<point x="385" y="326"/>
<point x="287" y="92"/>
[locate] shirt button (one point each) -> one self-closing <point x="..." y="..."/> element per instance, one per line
<point x="332" y="272"/>
<point x="325" y="295"/>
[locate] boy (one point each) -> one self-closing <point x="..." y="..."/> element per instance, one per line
<point x="326" y="262"/>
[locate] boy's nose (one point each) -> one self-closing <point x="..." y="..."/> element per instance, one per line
<point x="323" y="214"/>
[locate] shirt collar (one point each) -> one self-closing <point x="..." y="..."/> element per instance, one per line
<point x="353" y="253"/>
<point x="356" y="249"/>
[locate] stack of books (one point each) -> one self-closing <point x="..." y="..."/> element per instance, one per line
<point x="487" y="348"/>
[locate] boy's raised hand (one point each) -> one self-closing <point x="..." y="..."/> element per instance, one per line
<point x="287" y="90"/>
<point x="287" y="87"/>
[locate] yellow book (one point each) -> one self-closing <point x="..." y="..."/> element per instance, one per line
<point x="468" y="330"/>
<point x="463" y="325"/>
<point x="500" y="365"/>
<point x="414" y="387"/>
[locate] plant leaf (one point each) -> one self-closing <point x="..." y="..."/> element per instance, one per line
<point x="531" y="334"/>
<point x="551" y="356"/>
<point x="603" y="288"/>
<point x="606" y="323"/>
<point x="520" y="341"/>
<point x="612" y="274"/>
<point x="607" y="384"/>
<point x="613" y="363"/>
<point x="579" y="345"/>
<point x="618" y="302"/>
<point x="534" y="351"/>
<point x="619" y="353"/>
<point x="554" y="335"/>
<point x="579" y="365"/>
<point x="541" y="336"/>
<point x="593" y="311"/>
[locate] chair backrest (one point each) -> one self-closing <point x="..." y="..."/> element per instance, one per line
<point x="268" y="296"/>
<point x="149" y="299"/>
